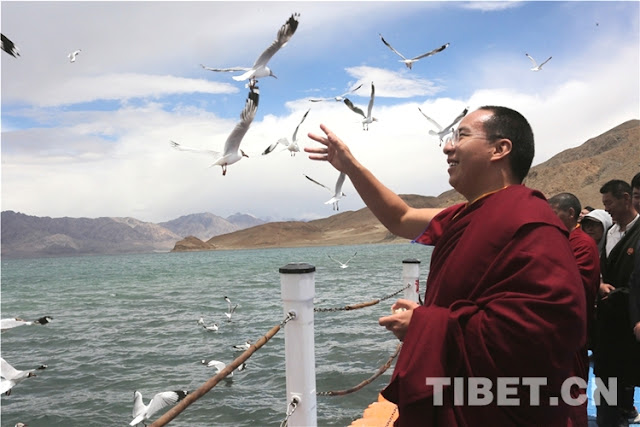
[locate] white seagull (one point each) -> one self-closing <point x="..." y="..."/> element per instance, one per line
<point x="16" y="321"/>
<point x="242" y="347"/>
<point x="291" y="146"/>
<point x="338" y="98"/>
<point x="9" y="47"/>
<point x="537" y="67"/>
<point x="12" y="376"/>
<point x="232" y="152"/>
<point x="409" y="62"/>
<point x="259" y="68"/>
<point x="343" y="264"/>
<point x="231" y="309"/>
<point x="72" y="55"/>
<point x="444" y="131"/>
<point x="337" y="192"/>
<point x="211" y="328"/>
<point x="219" y="366"/>
<point x="368" y="118"/>
<point x="142" y="412"/>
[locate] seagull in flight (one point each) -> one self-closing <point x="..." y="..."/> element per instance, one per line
<point x="72" y="55"/>
<point x="231" y="309"/>
<point x="343" y="264"/>
<point x="259" y="68"/>
<point x="337" y="192"/>
<point x="409" y="62"/>
<point x="16" y="321"/>
<point x="142" y="412"/>
<point x="537" y="67"/>
<point x="9" y="47"/>
<point x="444" y="131"/>
<point x="12" y="376"/>
<point x="368" y="118"/>
<point x="338" y="98"/>
<point x="232" y="152"/>
<point x="291" y="146"/>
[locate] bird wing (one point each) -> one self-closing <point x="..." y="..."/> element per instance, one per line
<point x="373" y="95"/>
<point x="532" y="60"/>
<point x="12" y="323"/>
<point x="9" y="47"/>
<point x="351" y="91"/>
<point x="320" y="99"/>
<point x="352" y="257"/>
<point x="232" y="69"/>
<point x="162" y="400"/>
<point x="216" y="364"/>
<point x="548" y="59"/>
<point x="246" y="117"/>
<point x="138" y="408"/>
<point x="333" y="259"/>
<point x="321" y="185"/>
<point x="293" y="139"/>
<point x="339" y="183"/>
<point x="354" y="108"/>
<point x="284" y="35"/>
<point x="433" y="52"/>
<point x="457" y="119"/>
<point x="391" y="47"/>
<point x="7" y="371"/>
<point x="6" y="385"/>
<point x="181" y="147"/>
<point x="270" y="148"/>
<point x="436" y="124"/>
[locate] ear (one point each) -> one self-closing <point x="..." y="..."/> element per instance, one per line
<point x="501" y="148"/>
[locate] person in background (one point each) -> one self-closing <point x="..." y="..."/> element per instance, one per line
<point x="596" y="224"/>
<point x="634" y="282"/>
<point x="567" y="207"/>
<point x="504" y="297"/>
<point x="617" y="353"/>
<point x="584" y="211"/>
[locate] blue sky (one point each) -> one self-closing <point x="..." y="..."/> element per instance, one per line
<point x="91" y="138"/>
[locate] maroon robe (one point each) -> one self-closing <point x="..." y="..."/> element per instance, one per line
<point x="503" y="299"/>
<point x="585" y="250"/>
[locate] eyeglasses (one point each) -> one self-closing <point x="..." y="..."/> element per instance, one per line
<point x="454" y="138"/>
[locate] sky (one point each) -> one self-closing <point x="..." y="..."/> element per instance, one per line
<point x="91" y="138"/>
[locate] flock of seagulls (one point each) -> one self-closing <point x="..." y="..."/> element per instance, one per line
<point x="232" y="152"/>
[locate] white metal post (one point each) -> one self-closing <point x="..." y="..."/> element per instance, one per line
<point x="297" y="286"/>
<point x="411" y="278"/>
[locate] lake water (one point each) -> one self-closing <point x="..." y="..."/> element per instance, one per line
<point x="129" y="322"/>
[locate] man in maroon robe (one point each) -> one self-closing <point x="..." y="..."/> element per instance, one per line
<point x="567" y="207"/>
<point x="504" y="306"/>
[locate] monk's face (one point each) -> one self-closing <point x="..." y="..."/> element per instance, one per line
<point x="469" y="154"/>
<point x="635" y="199"/>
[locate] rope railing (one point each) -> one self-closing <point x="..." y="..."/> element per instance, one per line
<point x="211" y="382"/>
<point x="360" y="305"/>
<point x="381" y="371"/>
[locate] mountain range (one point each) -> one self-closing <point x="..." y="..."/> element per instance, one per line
<point x="582" y="170"/>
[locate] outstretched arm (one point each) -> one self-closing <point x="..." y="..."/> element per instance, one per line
<point x="393" y="212"/>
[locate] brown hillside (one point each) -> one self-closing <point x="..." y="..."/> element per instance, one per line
<point x="581" y="170"/>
